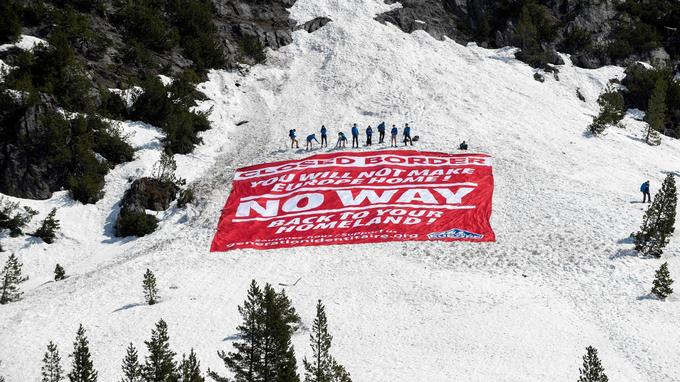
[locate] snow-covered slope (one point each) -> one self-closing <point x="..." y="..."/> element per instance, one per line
<point x="561" y="275"/>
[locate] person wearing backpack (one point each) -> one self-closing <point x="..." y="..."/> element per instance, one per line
<point x="324" y="137"/>
<point x="644" y="188"/>
<point x="293" y="140"/>
<point x="381" y="132"/>
<point x="369" y="135"/>
<point x="355" y="136"/>
<point x="407" y="135"/>
<point x="393" y="133"/>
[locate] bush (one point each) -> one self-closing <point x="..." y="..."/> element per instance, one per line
<point x="577" y="40"/>
<point x="109" y="141"/>
<point x="611" y="110"/>
<point x="171" y="114"/>
<point x="198" y="34"/>
<point x="14" y="218"/>
<point x="633" y="38"/>
<point x="10" y="23"/>
<point x="86" y="189"/>
<point x="112" y="105"/>
<point x="185" y="197"/>
<point x="135" y="223"/>
<point x="144" y="22"/>
<point x="251" y="47"/>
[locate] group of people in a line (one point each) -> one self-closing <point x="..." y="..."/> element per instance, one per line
<point x="342" y="138"/>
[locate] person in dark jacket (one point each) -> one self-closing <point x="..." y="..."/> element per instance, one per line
<point x="293" y="140"/>
<point x="355" y="136"/>
<point x="310" y="143"/>
<point x="324" y="137"/>
<point x="407" y="135"/>
<point x="369" y="135"/>
<point x="394" y="132"/>
<point x="644" y="188"/>
<point x="342" y="140"/>
<point x="463" y="146"/>
<point x="381" y="132"/>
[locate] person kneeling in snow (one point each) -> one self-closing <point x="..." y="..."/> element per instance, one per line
<point x="644" y="188"/>
<point x="293" y="140"/>
<point x="342" y="140"/>
<point x="463" y="146"/>
<point x="310" y="144"/>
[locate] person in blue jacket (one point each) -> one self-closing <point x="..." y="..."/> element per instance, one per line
<point x="342" y="140"/>
<point x="407" y="135"/>
<point x="293" y="140"/>
<point x="310" y="144"/>
<point x="369" y="135"/>
<point x="644" y="188"/>
<point x="355" y="136"/>
<point x="394" y="132"/>
<point x="324" y="137"/>
<point x="381" y="131"/>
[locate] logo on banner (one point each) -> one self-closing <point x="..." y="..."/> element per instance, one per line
<point x="454" y="234"/>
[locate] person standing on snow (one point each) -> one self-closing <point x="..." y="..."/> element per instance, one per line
<point x="293" y="140"/>
<point x="369" y="135"/>
<point x="355" y="136"/>
<point x="381" y="131"/>
<point x="407" y="135"/>
<point x="394" y="132"/>
<point x="644" y="188"/>
<point x="324" y="137"/>
<point x="342" y="140"/>
<point x="310" y="144"/>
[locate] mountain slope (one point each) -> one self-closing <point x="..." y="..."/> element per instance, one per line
<point x="561" y="275"/>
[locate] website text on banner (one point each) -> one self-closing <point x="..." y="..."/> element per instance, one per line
<point x="365" y="197"/>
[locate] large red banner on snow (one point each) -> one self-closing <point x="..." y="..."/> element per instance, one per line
<point x="362" y="197"/>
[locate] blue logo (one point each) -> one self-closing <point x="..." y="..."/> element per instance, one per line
<point x="454" y="233"/>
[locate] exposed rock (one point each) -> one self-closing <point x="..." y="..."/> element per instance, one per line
<point x="149" y="194"/>
<point x="24" y="172"/>
<point x="314" y="24"/>
<point x="539" y="77"/>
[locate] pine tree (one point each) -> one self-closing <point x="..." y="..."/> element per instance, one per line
<point x="160" y="364"/>
<point x="656" y="111"/>
<point x="243" y="362"/>
<point x="611" y="110"/>
<point x="11" y="278"/>
<point x="132" y="371"/>
<point x="323" y="367"/>
<point x="279" y="322"/>
<point x="658" y="222"/>
<point x="265" y="351"/>
<point x="190" y="369"/>
<point x="661" y="286"/>
<point x="51" y="369"/>
<point x="59" y="273"/>
<point x="527" y="31"/>
<point x="49" y="227"/>
<point x="149" y="286"/>
<point x="592" y="368"/>
<point x="82" y="369"/>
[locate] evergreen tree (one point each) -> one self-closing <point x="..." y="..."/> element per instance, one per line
<point x="82" y="369"/>
<point x="190" y="369"/>
<point x="279" y="322"/>
<point x="49" y="227"/>
<point x="132" y="371"/>
<point x="59" y="273"/>
<point x="51" y="369"/>
<point x="160" y="364"/>
<point x="150" y="289"/>
<point x="658" y="222"/>
<point x="611" y="110"/>
<point x="656" y="111"/>
<point x="323" y="367"/>
<point x="243" y="362"/>
<point x="661" y="286"/>
<point x="11" y="278"/>
<point x="592" y="368"/>
<point x="265" y="351"/>
<point x="527" y="30"/>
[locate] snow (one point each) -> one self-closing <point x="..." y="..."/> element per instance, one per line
<point x="25" y="42"/>
<point x="560" y="277"/>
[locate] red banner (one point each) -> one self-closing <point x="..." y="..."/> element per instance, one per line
<point x="358" y="197"/>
